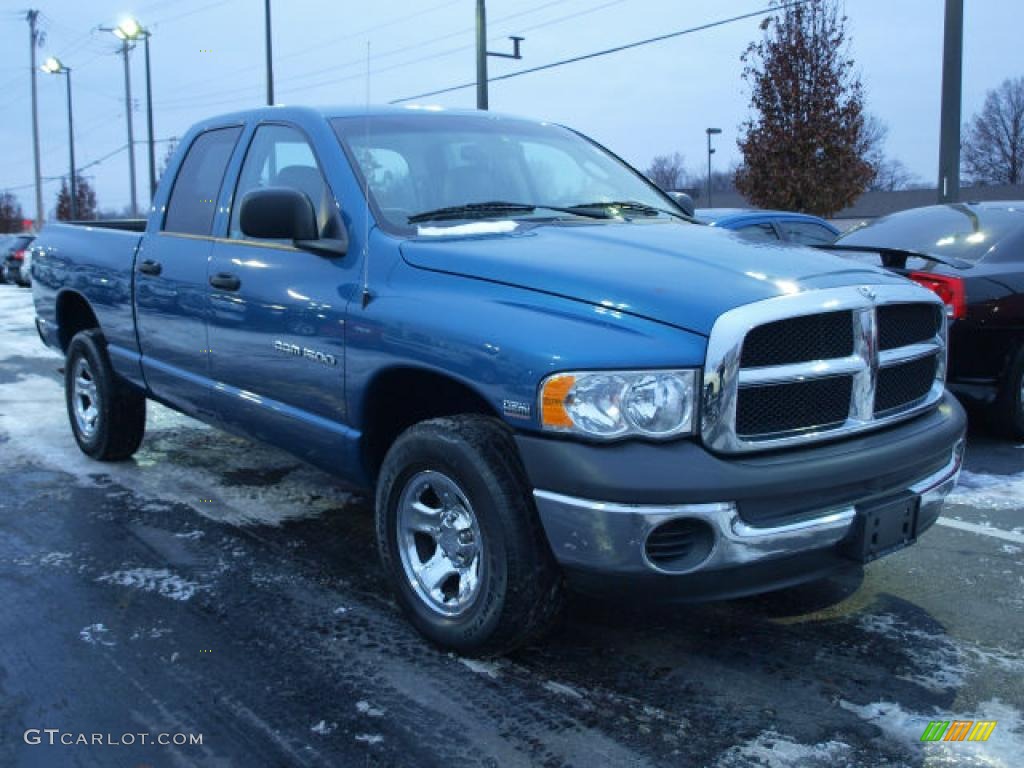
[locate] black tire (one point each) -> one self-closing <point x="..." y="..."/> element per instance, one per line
<point x="520" y="591"/>
<point x="120" y="410"/>
<point x="1008" y="410"/>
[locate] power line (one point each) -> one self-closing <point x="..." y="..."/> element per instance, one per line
<point x="607" y="51"/>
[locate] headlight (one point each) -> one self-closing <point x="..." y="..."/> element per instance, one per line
<point x="612" y="404"/>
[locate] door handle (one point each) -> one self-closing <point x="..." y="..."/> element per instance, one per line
<point x="150" y="267"/>
<point x="225" y="281"/>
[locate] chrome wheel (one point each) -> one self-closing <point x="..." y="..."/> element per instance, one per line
<point x="439" y="542"/>
<point x="85" y="399"/>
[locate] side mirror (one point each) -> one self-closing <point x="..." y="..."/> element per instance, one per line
<point x="685" y="202"/>
<point x="277" y="213"/>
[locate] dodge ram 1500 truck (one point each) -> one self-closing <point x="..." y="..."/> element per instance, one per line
<point x="549" y="375"/>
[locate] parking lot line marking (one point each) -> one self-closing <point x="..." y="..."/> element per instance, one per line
<point x="984" y="530"/>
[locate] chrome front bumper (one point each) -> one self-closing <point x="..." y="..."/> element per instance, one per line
<point x="610" y="537"/>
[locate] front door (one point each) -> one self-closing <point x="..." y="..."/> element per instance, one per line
<point x="277" y="313"/>
<point x="171" y="291"/>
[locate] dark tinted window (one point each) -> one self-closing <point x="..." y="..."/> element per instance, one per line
<point x="806" y="232"/>
<point x="194" y="196"/>
<point x="967" y="232"/>
<point x="762" y="232"/>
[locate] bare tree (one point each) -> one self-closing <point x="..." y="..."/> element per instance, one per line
<point x="668" y="171"/>
<point x="12" y="219"/>
<point x="891" y="175"/>
<point x="804" y="148"/>
<point x="993" y="149"/>
<point x="86" y="207"/>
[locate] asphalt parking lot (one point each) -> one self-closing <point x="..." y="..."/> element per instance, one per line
<point x="218" y="587"/>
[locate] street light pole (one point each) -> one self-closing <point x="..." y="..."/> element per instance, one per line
<point x="270" y="56"/>
<point x="482" y="53"/>
<point x="949" y="121"/>
<point x="53" y="66"/>
<point x="149" y="124"/>
<point x="710" y="132"/>
<point x="131" y="133"/>
<point x="128" y="31"/>
<point x="34" y="35"/>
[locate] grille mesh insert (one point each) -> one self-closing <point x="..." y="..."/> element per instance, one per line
<point x="900" y="325"/>
<point x="798" y="339"/>
<point x="778" y="408"/>
<point x="904" y="384"/>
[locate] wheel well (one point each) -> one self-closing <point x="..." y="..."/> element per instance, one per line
<point x="401" y="397"/>
<point x="73" y="315"/>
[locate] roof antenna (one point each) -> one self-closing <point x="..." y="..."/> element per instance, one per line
<point x="366" y="189"/>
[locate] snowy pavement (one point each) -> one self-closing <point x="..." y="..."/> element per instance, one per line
<point x="217" y="586"/>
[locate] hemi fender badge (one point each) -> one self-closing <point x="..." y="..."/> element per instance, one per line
<point x="516" y="409"/>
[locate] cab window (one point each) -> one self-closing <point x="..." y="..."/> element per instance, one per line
<point x="281" y="156"/>
<point x="193" y="200"/>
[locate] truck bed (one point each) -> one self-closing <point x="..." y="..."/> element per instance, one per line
<point x="95" y="260"/>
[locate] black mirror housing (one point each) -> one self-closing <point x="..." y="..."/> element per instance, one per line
<point x="685" y="202"/>
<point x="278" y="213"/>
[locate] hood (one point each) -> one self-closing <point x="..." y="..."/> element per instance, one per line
<point x="681" y="274"/>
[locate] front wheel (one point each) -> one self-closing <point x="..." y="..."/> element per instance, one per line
<point x="460" y="538"/>
<point x="1009" y="406"/>
<point x="108" y="417"/>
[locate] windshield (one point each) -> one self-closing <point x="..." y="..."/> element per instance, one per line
<point x="968" y="232"/>
<point x="419" y="163"/>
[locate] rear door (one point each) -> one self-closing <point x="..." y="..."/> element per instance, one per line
<point x="171" y="290"/>
<point x="277" y="313"/>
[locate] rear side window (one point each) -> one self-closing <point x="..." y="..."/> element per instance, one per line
<point x="759" y="232"/>
<point x="807" y="233"/>
<point x="194" y="195"/>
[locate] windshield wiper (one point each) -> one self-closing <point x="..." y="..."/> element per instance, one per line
<point x="630" y="205"/>
<point x="491" y="208"/>
<point x="896" y="258"/>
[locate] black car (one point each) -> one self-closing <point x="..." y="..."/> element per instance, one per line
<point x="972" y="256"/>
<point x="12" y="253"/>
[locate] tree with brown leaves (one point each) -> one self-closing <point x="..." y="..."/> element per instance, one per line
<point x="86" y="201"/>
<point x="806" y="147"/>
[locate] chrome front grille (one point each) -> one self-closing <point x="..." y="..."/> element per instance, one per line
<point x="822" y="364"/>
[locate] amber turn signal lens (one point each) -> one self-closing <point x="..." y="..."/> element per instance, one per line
<point x="553" y="412"/>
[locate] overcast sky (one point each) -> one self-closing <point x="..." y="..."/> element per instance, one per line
<point x="207" y="57"/>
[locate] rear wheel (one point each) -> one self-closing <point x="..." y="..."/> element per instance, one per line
<point x="460" y="538"/>
<point x="108" y="417"/>
<point x="1009" y="406"/>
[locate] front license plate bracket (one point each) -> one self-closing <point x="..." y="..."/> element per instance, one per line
<point x="883" y="527"/>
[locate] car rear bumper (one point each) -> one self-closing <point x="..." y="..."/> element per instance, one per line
<point x="755" y="533"/>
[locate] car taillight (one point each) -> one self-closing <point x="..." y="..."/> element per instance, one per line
<point x="18" y="255"/>
<point x="949" y="289"/>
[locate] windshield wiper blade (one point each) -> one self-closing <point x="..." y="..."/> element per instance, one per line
<point x="631" y="205"/>
<point x="470" y="210"/>
<point x="897" y="257"/>
<point x="495" y="207"/>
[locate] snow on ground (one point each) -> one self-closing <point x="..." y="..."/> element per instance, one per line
<point x="773" y="750"/>
<point x="222" y="477"/>
<point x="161" y="581"/>
<point x="997" y="493"/>
<point x="18" y="337"/>
<point x="96" y="634"/>
<point x="1003" y="749"/>
<point x="942" y="663"/>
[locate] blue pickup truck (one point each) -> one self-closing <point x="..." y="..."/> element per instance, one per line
<point x="546" y="372"/>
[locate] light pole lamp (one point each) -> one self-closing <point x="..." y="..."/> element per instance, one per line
<point x="710" y="132"/>
<point x="53" y="66"/>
